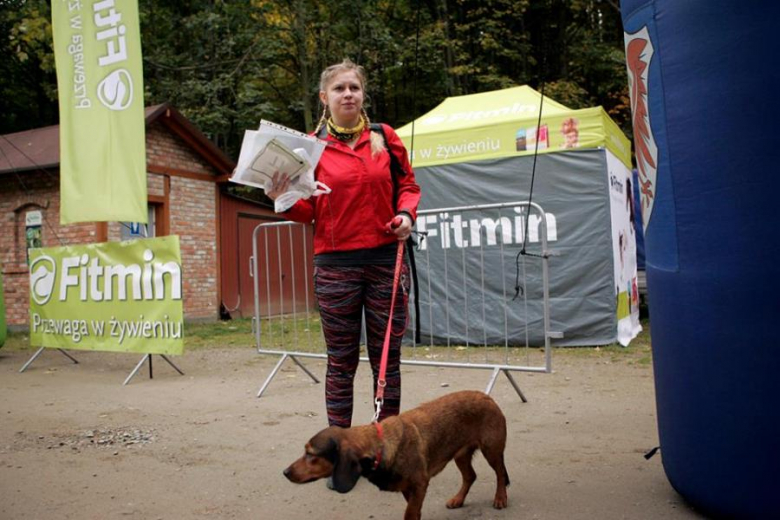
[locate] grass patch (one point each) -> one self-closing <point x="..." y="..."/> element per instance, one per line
<point x="304" y="334"/>
<point x="639" y="351"/>
<point x="236" y="333"/>
<point x="16" y="341"/>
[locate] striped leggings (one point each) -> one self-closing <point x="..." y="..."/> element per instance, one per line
<point x="344" y="293"/>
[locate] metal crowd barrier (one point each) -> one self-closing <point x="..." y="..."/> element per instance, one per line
<point x="473" y="327"/>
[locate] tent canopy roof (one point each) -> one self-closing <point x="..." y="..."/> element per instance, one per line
<point x="502" y="123"/>
<point x="484" y="109"/>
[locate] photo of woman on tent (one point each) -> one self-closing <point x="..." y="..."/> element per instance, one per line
<point x="571" y="133"/>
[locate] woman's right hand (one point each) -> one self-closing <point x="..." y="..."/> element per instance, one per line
<point x="280" y="184"/>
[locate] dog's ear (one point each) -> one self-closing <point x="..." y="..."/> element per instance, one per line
<point x="347" y="470"/>
<point x="326" y="444"/>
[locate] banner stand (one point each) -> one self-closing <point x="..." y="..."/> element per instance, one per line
<point x="132" y="374"/>
<point x="151" y="374"/>
<point x="38" y="353"/>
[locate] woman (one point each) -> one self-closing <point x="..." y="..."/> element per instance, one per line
<point x="354" y="242"/>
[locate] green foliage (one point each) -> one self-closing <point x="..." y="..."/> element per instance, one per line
<point x="568" y="93"/>
<point x="226" y="65"/>
<point x="28" y="93"/>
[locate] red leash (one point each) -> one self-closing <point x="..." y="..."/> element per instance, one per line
<point x="381" y="381"/>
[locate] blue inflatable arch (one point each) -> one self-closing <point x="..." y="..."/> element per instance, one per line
<point x="704" y="78"/>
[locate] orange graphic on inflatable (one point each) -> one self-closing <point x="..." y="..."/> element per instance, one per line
<point x="639" y="52"/>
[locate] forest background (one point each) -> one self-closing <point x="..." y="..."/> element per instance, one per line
<point x="228" y="64"/>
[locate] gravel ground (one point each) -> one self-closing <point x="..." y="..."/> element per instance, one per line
<point x="75" y="443"/>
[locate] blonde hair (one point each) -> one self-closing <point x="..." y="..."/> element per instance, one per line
<point x="347" y="65"/>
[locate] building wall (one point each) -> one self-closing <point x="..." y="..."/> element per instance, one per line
<point x="167" y="149"/>
<point x="191" y="202"/>
<point x="155" y="184"/>
<point x="30" y="191"/>
<point x="193" y="218"/>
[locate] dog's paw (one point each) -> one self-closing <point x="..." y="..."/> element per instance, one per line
<point x="455" y="502"/>
<point x="500" y="502"/>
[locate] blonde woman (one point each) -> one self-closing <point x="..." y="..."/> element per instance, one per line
<point x="354" y="242"/>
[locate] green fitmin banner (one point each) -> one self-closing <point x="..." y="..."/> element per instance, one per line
<point x="115" y="296"/>
<point x="97" y="49"/>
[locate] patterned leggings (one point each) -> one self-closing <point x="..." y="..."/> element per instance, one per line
<point x="343" y="293"/>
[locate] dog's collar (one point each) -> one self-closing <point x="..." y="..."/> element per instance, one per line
<point x="378" y="457"/>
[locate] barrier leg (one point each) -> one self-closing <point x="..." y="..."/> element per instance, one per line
<point x="272" y="374"/>
<point x="494" y="376"/>
<point x="515" y="386"/>
<point x="297" y="362"/>
<point x="492" y="381"/>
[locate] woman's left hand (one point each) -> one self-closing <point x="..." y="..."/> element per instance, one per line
<point x="402" y="230"/>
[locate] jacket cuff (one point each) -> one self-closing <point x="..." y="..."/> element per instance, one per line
<point x="408" y="213"/>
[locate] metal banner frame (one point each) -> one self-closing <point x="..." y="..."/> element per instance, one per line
<point x="40" y="351"/>
<point x="147" y="357"/>
<point x="151" y="374"/>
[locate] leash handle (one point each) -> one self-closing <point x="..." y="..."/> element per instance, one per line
<point x="381" y="380"/>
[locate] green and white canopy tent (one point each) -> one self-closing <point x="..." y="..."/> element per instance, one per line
<point x="479" y="149"/>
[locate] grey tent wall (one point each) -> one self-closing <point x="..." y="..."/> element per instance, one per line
<point x="573" y="187"/>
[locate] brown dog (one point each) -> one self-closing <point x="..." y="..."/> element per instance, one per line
<point x="403" y="453"/>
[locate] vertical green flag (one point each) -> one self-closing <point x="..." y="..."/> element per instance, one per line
<point x="97" y="49"/>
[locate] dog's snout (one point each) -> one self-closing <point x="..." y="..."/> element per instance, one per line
<point x="286" y="472"/>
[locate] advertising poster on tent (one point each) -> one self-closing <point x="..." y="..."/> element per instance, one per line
<point x="623" y="213"/>
<point x="118" y="297"/>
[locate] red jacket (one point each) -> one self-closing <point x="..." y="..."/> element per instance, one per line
<point x="354" y="215"/>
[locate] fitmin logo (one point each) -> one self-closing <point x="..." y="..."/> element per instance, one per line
<point x="116" y="89"/>
<point x="43" y="272"/>
<point x="85" y="278"/>
<point x="477" y="115"/>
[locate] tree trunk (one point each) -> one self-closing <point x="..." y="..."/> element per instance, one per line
<point x="449" y="59"/>
<point x="299" y="26"/>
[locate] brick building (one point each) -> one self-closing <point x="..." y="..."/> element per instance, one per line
<point x="185" y="171"/>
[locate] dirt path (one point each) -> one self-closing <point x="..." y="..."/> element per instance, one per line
<point x="75" y="443"/>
